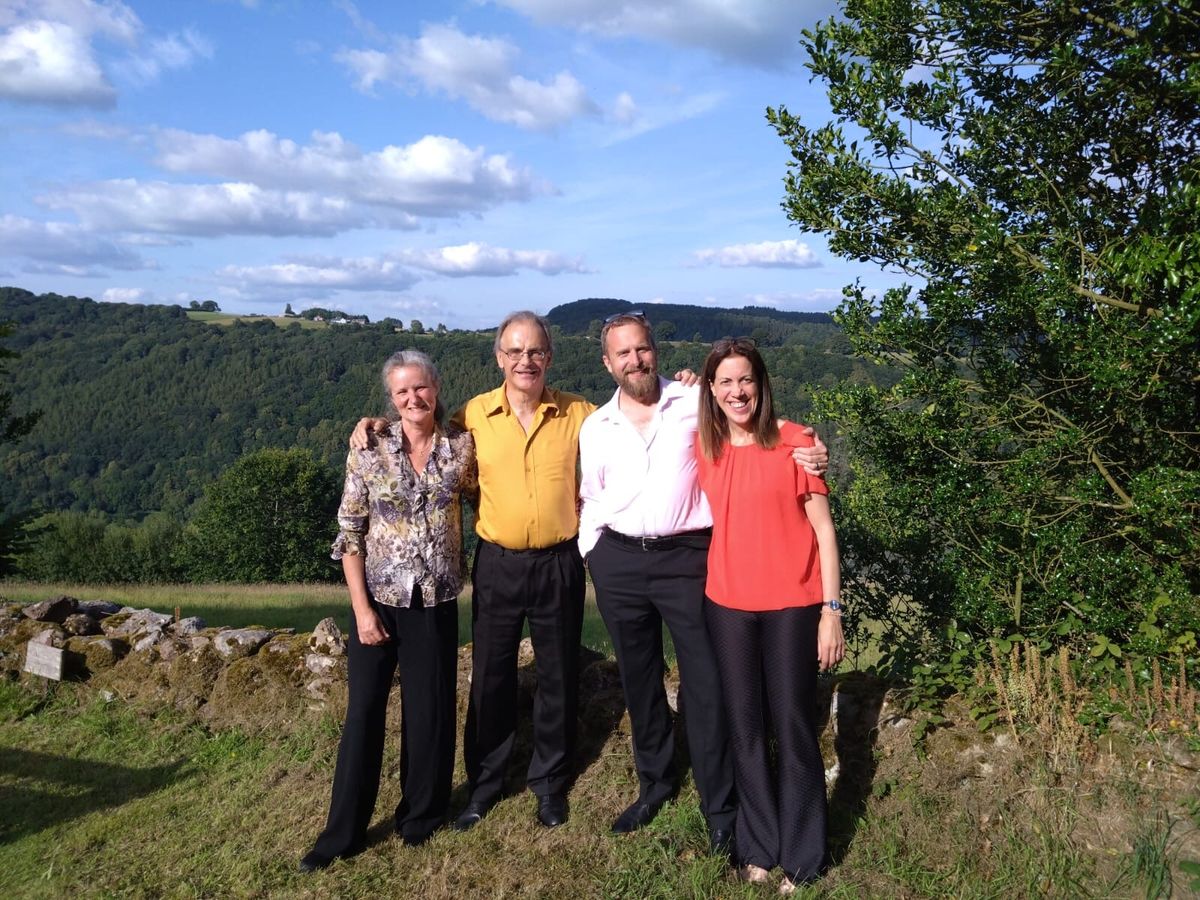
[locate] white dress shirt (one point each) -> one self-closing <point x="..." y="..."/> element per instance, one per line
<point x="642" y="486"/>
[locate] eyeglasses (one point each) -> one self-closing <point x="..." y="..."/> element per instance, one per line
<point x="725" y="344"/>
<point x="538" y="355"/>
<point x="626" y="314"/>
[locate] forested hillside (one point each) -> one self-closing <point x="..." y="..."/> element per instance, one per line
<point x="142" y="407"/>
<point x="769" y="327"/>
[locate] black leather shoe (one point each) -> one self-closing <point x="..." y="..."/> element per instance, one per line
<point x="639" y="815"/>
<point x="471" y="816"/>
<point x="552" y="810"/>
<point x="313" y="861"/>
<point x="720" y="841"/>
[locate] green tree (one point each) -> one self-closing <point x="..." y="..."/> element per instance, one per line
<point x="416" y="327"/>
<point x="269" y="517"/>
<point x="1033" y="167"/>
<point x="288" y="311"/>
<point x="664" y="330"/>
<point x="11" y="428"/>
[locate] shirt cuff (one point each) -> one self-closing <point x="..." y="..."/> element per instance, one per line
<point x="348" y="543"/>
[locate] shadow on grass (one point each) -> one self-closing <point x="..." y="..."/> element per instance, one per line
<point x="860" y="699"/>
<point x="40" y="790"/>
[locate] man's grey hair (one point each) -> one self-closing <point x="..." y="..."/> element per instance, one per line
<point x="524" y="315"/>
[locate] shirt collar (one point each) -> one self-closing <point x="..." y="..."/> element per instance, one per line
<point x="670" y="392"/>
<point x="498" y="402"/>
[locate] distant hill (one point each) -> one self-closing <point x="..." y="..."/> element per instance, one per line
<point x="142" y="405"/>
<point x="770" y="327"/>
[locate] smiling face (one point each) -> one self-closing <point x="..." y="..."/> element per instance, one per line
<point x="524" y="356"/>
<point x="630" y="358"/>
<point x="414" y="394"/>
<point x="736" y="391"/>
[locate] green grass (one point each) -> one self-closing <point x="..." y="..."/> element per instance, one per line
<point x="220" y="318"/>
<point x="101" y="799"/>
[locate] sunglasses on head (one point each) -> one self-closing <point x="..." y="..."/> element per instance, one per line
<point x="725" y="344"/>
<point x="626" y="314"/>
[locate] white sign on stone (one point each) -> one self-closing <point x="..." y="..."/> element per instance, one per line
<point x="44" y="660"/>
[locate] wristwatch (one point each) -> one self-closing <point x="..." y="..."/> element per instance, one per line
<point x="835" y="605"/>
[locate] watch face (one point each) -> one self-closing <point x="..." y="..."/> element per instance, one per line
<point x="835" y="605"/>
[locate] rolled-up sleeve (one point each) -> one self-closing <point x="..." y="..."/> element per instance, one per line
<point x="353" y="512"/>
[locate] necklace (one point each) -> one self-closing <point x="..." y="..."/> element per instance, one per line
<point x="418" y="456"/>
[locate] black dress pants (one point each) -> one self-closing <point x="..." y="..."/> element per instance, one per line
<point x="545" y="587"/>
<point x="768" y="666"/>
<point x="637" y="590"/>
<point x="424" y="643"/>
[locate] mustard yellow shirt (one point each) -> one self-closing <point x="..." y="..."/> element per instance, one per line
<point x="528" y="483"/>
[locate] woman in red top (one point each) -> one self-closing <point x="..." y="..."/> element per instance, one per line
<point x="773" y="613"/>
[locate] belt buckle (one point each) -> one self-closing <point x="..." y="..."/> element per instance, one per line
<point x="648" y="542"/>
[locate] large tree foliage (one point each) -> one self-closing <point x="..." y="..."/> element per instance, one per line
<point x="269" y="517"/>
<point x="1034" y="167"/>
<point x="11" y="428"/>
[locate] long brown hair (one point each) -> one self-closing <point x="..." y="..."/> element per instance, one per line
<point x="713" y="425"/>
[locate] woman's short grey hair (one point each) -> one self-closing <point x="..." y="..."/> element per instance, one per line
<point x="524" y="315"/>
<point x="417" y="358"/>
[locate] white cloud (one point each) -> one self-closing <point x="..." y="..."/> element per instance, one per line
<point x="640" y="121"/>
<point x="482" y="259"/>
<point x="175" y="51"/>
<point x="124" y="295"/>
<point x="214" y="209"/>
<point x="362" y="274"/>
<point x="64" y="248"/>
<point x="790" y="254"/>
<point x="48" y="51"/>
<point x="435" y="176"/>
<point x="476" y="69"/>
<point x="110" y="18"/>
<point x="625" y="110"/>
<point x="764" y="33"/>
<point x="50" y="62"/>
<point x="399" y="270"/>
<point x="818" y="300"/>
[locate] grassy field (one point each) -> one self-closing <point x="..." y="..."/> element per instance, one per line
<point x="220" y="318"/>
<point x="102" y="798"/>
<point x="299" y="606"/>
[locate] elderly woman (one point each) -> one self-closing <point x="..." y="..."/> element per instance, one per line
<point x="401" y="550"/>
<point x="773" y="611"/>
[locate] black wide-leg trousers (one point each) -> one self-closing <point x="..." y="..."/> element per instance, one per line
<point x="637" y="591"/>
<point x="545" y="587"/>
<point x="424" y="644"/>
<point x="768" y="663"/>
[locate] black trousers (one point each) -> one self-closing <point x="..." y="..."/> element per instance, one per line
<point x="637" y="590"/>
<point x="768" y="666"/>
<point x="545" y="587"/>
<point x="424" y="645"/>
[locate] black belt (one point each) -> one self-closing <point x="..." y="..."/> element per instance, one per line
<point x="552" y="550"/>
<point x="695" y="540"/>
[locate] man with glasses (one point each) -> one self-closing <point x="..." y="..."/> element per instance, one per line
<point x="527" y="568"/>
<point x="644" y="530"/>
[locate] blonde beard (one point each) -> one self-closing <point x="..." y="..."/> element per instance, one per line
<point x="642" y="391"/>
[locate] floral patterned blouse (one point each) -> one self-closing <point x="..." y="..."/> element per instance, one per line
<point x="408" y="524"/>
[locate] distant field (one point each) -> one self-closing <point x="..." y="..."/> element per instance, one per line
<point x="220" y="318"/>
<point x="299" y="606"/>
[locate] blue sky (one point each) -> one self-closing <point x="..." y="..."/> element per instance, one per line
<point x="445" y="161"/>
